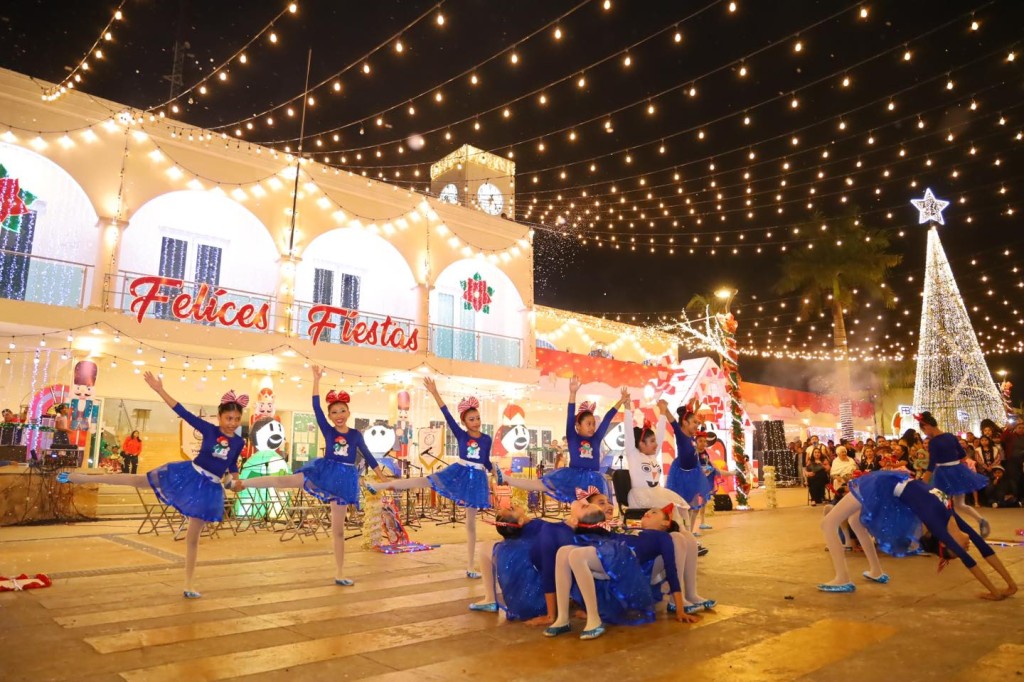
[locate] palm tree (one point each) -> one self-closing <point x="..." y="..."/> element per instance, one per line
<point x="699" y="303"/>
<point x="848" y="259"/>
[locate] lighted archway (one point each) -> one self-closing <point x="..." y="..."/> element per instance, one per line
<point x="477" y="314"/>
<point x="58" y="232"/>
<point x="201" y="236"/>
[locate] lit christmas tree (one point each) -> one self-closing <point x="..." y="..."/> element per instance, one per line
<point x="953" y="381"/>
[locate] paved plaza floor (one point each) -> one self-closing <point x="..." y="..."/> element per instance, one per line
<point x="270" y="612"/>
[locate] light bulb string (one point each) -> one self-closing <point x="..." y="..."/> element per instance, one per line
<point x="647" y="99"/>
<point x="48" y="93"/>
<point x="476" y="67"/>
<point x="337" y="74"/>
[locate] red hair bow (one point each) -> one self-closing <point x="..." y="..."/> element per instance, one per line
<point x="918" y="417"/>
<point x="586" y="406"/>
<point x="336" y="397"/>
<point x="667" y="510"/>
<point x="606" y="525"/>
<point x="582" y="494"/>
<point x="468" y="403"/>
<point x="648" y="426"/>
<point x="230" y="397"/>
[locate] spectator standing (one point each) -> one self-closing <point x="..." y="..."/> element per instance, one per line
<point x="130" y="451"/>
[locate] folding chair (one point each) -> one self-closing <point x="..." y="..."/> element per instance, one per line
<point x="158" y="515"/>
<point x="304" y="515"/>
<point x="621" y="485"/>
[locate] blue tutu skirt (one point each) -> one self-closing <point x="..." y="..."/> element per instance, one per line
<point x="463" y="484"/>
<point x="522" y="594"/>
<point x="561" y="484"/>
<point x="657" y="591"/>
<point x="957" y="480"/>
<point x="194" y="495"/>
<point x="331" y="480"/>
<point x="625" y="598"/>
<point x="893" y="525"/>
<point x="691" y="484"/>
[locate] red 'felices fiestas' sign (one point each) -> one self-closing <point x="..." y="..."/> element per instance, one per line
<point x="204" y="306"/>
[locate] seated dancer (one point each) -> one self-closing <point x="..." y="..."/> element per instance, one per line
<point x="193" y="488"/>
<point x="892" y="505"/>
<point x="523" y="565"/>
<point x="684" y="543"/>
<point x="643" y="457"/>
<point x="685" y="475"/>
<point x="624" y="596"/>
<point x="658" y="550"/>
<point x="332" y="478"/>
<point x="464" y="482"/>
<point x="584" y="442"/>
<point x="947" y="472"/>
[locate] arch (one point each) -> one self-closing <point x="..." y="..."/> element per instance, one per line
<point x="462" y="331"/>
<point x="60" y="226"/>
<point x="353" y="268"/>
<point x="202" y="222"/>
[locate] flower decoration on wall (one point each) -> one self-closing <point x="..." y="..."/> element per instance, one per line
<point x="476" y="295"/>
<point x="13" y="202"/>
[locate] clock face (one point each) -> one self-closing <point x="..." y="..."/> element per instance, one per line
<point x="490" y="199"/>
<point x="450" y="194"/>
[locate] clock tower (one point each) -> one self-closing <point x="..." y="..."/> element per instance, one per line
<point x="475" y="178"/>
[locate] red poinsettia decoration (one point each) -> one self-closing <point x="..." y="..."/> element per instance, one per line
<point x="11" y="203"/>
<point x="476" y="295"/>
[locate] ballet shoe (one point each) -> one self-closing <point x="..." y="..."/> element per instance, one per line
<point x="671" y="608"/>
<point x="845" y="588"/>
<point x="344" y="582"/>
<point x="697" y="534"/>
<point x="192" y="594"/>
<point x="705" y="526"/>
<point x="63" y="477"/>
<point x="881" y="580"/>
<point x="489" y="607"/>
<point x="556" y="630"/>
<point x="984" y="529"/>
<point x="691" y="609"/>
<point x="474" y="575"/>
<point x="593" y="633"/>
<point x="709" y="604"/>
<point x="701" y="551"/>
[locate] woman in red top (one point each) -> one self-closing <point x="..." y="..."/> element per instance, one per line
<point x="130" y="453"/>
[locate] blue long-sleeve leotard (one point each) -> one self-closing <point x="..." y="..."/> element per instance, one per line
<point x="943" y="449"/>
<point x="217" y="453"/>
<point x="341" y="446"/>
<point x="686" y="451"/>
<point x="473" y="449"/>
<point x="935" y="516"/>
<point x="585" y="453"/>
<point x="545" y="540"/>
<point x="649" y="545"/>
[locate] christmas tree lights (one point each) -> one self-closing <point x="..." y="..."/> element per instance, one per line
<point x="953" y="381"/>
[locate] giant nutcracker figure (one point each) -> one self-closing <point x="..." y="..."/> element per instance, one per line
<point x="84" y="412"/>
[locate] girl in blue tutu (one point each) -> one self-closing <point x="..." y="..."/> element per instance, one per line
<point x="892" y="506"/>
<point x="332" y="478"/>
<point x="685" y="475"/>
<point x="584" y="437"/>
<point x="622" y="592"/>
<point x="193" y="488"/>
<point x="523" y="566"/>
<point x="947" y="472"/>
<point x="464" y="482"/>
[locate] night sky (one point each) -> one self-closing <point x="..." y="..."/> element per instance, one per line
<point x="713" y="108"/>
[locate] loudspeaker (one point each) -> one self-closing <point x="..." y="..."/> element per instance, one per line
<point x="13" y="453"/>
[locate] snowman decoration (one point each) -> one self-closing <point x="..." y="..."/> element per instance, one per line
<point x="614" y="447"/>
<point x="380" y="441"/>
<point x="266" y="437"/>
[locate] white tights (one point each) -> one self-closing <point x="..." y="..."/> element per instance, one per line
<point x="583" y="564"/>
<point x="848" y="509"/>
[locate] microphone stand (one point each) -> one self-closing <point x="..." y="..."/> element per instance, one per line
<point x="454" y="520"/>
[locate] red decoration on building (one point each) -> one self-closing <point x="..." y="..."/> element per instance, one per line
<point x="476" y="295"/>
<point x="11" y="203"/>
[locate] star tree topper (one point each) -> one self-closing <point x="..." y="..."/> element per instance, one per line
<point x="929" y="208"/>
